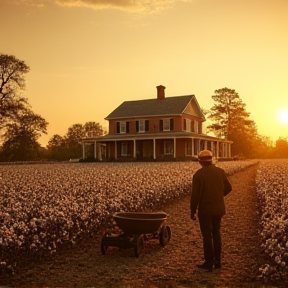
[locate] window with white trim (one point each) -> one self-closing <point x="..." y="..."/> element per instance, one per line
<point x="124" y="148"/>
<point x="141" y="126"/>
<point x="188" y="148"/>
<point x="187" y="125"/>
<point x="168" y="147"/>
<point x="166" y="124"/>
<point x="122" y="127"/>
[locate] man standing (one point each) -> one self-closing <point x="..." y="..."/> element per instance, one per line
<point x="209" y="187"/>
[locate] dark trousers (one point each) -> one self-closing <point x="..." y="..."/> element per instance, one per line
<point x="210" y="230"/>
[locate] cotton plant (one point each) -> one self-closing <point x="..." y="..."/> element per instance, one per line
<point x="44" y="206"/>
<point x="272" y="192"/>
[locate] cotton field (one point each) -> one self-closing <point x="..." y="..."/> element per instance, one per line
<point x="44" y="205"/>
<point x="272" y="191"/>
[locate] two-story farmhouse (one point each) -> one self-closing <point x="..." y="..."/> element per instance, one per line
<point x="163" y="128"/>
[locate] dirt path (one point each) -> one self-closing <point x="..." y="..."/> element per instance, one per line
<point x="173" y="266"/>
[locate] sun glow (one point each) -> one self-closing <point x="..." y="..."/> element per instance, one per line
<point x="283" y="116"/>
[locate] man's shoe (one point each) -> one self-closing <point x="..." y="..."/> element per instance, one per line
<point x="206" y="266"/>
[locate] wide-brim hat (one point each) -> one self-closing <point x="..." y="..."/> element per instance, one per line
<point x="205" y="155"/>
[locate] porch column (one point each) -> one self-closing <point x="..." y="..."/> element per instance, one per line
<point x="217" y="149"/>
<point x="83" y="150"/>
<point x="115" y="151"/>
<point x="108" y="152"/>
<point x="199" y="146"/>
<point x="174" y="148"/>
<point x="212" y="148"/>
<point x="205" y="145"/>
<point x="154" y="148"/>
<point x="220" y="148"/>
<point x="95" y="150"/>
<point x="192" y="146"/>
<point x="229" y="150"/>
<point x="134" y="148"/>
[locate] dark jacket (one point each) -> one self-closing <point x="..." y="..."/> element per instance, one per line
<point x="209" y="186"/>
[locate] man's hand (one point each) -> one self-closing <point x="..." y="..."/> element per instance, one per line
<point x="193" y="217"/>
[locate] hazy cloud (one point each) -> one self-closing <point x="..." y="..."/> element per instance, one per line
<point x="136" y="6"/>
<point x="33" y="3"/>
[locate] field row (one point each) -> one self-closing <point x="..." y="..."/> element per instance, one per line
<point x="45" y="205"/>
<point x="272" y="192"/>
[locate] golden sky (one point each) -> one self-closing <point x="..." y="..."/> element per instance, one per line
<point x="88" y="56"/>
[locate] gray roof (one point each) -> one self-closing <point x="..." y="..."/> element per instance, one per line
<point x="151" y="107"/>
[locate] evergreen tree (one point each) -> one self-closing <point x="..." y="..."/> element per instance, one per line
<point x="230" y="120"/>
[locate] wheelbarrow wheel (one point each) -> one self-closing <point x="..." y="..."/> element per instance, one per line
<point x="104" y="246"/>
<point x="138" y="245"/>
<point x="165" y="235"/>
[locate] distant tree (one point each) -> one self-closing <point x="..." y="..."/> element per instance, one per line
<point x="20" y="127"/>
<point x="78" y="131"/>
<point x="73" y="140"/>
<point x="55" y="142"/>
<point x="20" y="137"/>
<point x="258" y="147"/>
<point x="282" y="143"/>
<point x="70" y="145"/>
<point x="281" y="149"/>
<point x="267" y="140"/>
<point x="57" y="148"/>
<point x="230" y="120"/>
<point x="93" y="129"/>
<point x="12" y="82"/>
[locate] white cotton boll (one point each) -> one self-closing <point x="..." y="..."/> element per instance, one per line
<point x="32" y="246"/>
<point x="277" y="259"/>
<point x="73" y="190"/>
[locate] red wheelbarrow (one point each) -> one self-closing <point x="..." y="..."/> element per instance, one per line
<point x="135" y="227"/>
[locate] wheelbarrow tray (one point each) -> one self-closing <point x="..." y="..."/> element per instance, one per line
<point x="132" y="223"/>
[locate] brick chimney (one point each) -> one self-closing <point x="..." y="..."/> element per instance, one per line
<point x="160" y="92"/>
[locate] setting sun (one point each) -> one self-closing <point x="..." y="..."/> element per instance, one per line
<point x="283" y="116"/>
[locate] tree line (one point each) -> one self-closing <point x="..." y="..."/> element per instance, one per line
<point x="21" y="128"/>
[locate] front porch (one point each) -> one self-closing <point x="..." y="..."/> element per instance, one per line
<point x="153" y="148"/>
